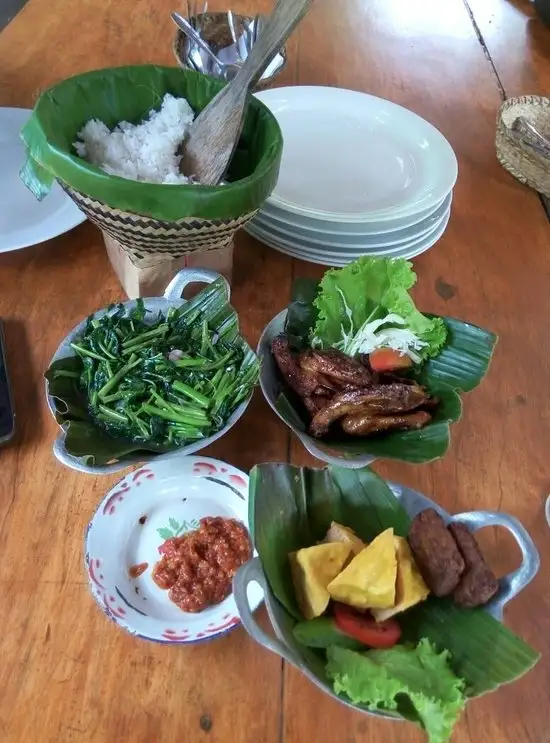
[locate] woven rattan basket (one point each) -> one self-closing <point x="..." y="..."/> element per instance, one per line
<point x="524" y="163"/>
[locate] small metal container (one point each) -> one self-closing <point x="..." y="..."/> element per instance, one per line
<point x="215" y="29"/>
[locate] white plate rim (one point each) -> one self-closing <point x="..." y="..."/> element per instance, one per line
<point x="318" y="259"/>
<point x="358" y="244"/>
<point x="353" y="251"/>
<point x="189" y="466"/>
<point x="77" y="218"/>
<point x="267" y="95"/>
<point x="280" y="215"/>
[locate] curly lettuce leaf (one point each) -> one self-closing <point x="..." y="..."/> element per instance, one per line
<point x="368" y="291"/>
<point x="415" y="681"/>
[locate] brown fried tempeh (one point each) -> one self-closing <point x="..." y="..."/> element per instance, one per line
<point x="436" y="553"/>
<point x="478" y="583"/>
<point x="363" y="424"/>
<point x="383" y="400"/>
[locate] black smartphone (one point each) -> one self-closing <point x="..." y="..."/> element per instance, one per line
<point x="7" y="412"/>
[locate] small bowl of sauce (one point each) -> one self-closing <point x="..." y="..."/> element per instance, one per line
<point x="163" y="547"/>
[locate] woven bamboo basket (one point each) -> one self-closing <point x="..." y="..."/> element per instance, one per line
<point x="148" y="240"/>
<point x="524" y="163"/>
<point x="146" y="253"/>
<point x="150" y="230"/>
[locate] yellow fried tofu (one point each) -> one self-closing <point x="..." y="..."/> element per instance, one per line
<point x="410" y="588"/>
<point x="368" y="582"/>
<point x="339" y="533"/>
<point x="313" y="568"/>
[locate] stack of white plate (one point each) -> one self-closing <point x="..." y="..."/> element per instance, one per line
<point x="359" y="176"/>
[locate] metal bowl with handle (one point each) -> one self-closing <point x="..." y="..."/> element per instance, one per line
<point x="172" y="298"/>
<point x="283" y="642"/>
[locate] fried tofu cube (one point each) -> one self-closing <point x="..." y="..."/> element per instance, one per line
<point x="368" y="582"/>
<point x="410" y="588"/>
<point x="339" y="533"/>
<point x="313" y="568"/>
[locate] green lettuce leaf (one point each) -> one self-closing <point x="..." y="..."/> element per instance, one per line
<point x="370" y="289"/>
<point x="417" y="681"/>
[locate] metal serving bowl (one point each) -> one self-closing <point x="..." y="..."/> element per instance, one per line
<point x="271" y="387"/>
<point x="285" y="645"/>
<point x="172" y="298"/>
<point x="214" y="28"/>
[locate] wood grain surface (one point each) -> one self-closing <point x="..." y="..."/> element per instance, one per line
<point x="66" y="673"/>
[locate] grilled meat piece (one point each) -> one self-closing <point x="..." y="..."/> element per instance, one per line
<point x="364" y="424"/>
<point x="336" y="365"/>
<point x="382" y="400"/>
<point x="436" y="552"/>
<point x="314" y="403"/>
<point x="302" y="382"/>
<point x="327" y="386"/>
<point x="478" y="583"/>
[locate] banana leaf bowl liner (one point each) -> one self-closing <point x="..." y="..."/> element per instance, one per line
<point x="93" y="445"/>
<point x="292" y="507"/>
<point x="459" y="367"/>
<point x="148" y="217"/>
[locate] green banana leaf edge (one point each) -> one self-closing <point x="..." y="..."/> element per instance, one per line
<point x="128" y="93"/>
<point x="83" y="438"/>
<point x="292" y="507"/>
<point x="459" y="367"/>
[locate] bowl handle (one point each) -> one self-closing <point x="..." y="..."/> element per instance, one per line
<point x="514" y="582"/>
<point x="324" y="456"/>
<point x="186" y="276"/>
<point x="252" y="572"/>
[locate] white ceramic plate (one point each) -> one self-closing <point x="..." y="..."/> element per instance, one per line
<point x="349" y="229"/>
<point x="24" y="220"/>
<point x="166" y="497"/>
<point x="325" y="258"/>
<point x="352" y="157"/>
<point x="327" y="240"/>
<point x="350" y="252"/>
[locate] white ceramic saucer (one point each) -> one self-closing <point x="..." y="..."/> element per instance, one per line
<point x="163" y="499"/>
<point x="24" y="220"/>
<point x="352" y="157"/>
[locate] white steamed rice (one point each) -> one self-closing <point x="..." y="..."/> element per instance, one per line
<point x="140" y="152"/>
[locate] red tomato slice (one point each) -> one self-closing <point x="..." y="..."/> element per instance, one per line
<point x="386" y="359"/>
<point x="364" y="628"/>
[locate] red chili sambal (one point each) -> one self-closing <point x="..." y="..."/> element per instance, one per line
<point x="197" y="568"/>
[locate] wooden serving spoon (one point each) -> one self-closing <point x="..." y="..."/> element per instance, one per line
<point x="214" y="134"/>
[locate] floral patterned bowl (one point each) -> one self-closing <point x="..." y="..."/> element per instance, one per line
<point x="160" y="500"/>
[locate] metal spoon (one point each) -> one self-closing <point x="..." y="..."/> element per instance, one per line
<point x="193" y="16"/>
<point x="231" y="24"/>
<point x="216" y="130"/>
<point x="228" y="70"/>
<point x="528" y="134"/>
<point x="256" y="28"/>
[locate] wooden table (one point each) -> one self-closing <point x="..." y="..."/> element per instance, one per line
<point x="66" y="673"/>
